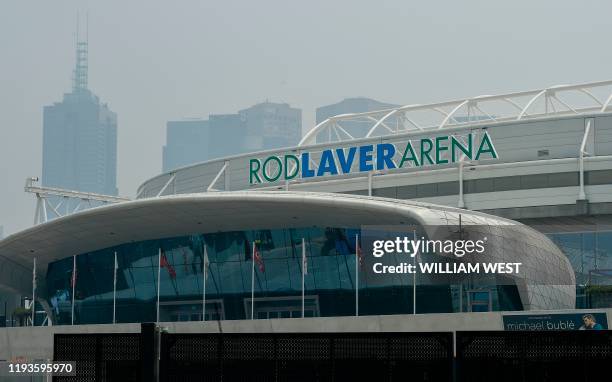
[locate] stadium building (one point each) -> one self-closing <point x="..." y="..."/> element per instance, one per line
<point x="225" y="240"/>
<point x="542" y="158"/>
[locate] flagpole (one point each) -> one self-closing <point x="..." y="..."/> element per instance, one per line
<point x="253" y="283"/>
<point x="204" y="271"/>
<point x="158" y="279"/>
<point x="357" y="275"/>
<point x="303" y="270"/>
<point x="115" y="288"/>
<point x="73" y="287"/>
<point x="34" y="292"/>
<point x="414" y="278"/>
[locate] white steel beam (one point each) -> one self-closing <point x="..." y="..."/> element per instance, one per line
<point x="591" y="96"/>
<point x="587" y="129"/>
<point x="450" y="115"/>
<point x="485" y="113"/>
<point x="380" y="121"/>
<point x="531" y="101"/>
<point x="515" y="100"/>
<point x="564" y="104"/>
<point x="77" y="206"/>
<point x="160" y="193"/>
<point x="461" y="202"/>
<point x="334" y="126"/>
<point x="413" y="123"/>
<point x="313" y="132"/>
<point x="44" y="209"/>
<point x="55" y="211"/>
<point x="51" y="191"/>
<point x="37" y="211"/>
<point x="43" y="195"/>
<point x="344" y="131"/>
<point x="216" y="178"/>
<point x="605" y="105"/>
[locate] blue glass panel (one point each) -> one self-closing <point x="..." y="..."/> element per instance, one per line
<point x="330" y="280"/>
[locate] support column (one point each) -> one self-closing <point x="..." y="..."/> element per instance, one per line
<point x="461" y="203"/>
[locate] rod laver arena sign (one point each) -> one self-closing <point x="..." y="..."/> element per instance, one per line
<point x="442" y="149"/>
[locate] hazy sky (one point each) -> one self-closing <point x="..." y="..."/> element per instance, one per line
<point x="152" y="61"/>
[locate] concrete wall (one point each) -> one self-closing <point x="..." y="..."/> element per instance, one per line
<point x="36" y="343"/>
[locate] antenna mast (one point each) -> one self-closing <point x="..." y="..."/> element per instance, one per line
<point x="81" y="66"/>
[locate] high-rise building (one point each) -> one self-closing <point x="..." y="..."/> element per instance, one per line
<point x="271" y="125"/>
<point x="193" y="141"/>
<point x="352" y="105"/>
<point x="186" y="143"/>
<point x="263" y="126"/>
<point x="80" y="138"/>
<point x="227" y="135"/>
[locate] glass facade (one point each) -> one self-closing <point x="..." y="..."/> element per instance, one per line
<point x="590" y="253"/>
<point x="329" y="280"/>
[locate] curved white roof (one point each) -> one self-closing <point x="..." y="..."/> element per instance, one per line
<point x="179" y="215"/>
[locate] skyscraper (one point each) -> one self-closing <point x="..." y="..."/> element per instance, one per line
<point x="263" y="126"/>
<point x="271" y="125"/>
<point x="186" y="143"/>
<point x="80" y="138"/>
<point x="227" y="135"/>
<point x="195" y="140"/>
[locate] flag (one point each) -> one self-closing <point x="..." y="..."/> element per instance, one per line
<point x="258" y="259"/>
<point x="163" y="263"/>
<point x="73" y="279"/>
<point x="115" y="268"/>
<point x="206" y="263"/>
<point x="34" y="276"/>
<point x="359" y="254"/>
<point x="304" y="259"/>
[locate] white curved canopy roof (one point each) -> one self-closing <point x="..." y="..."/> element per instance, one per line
<point x="153" y="218"/>
<point x="179" y="215"/>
